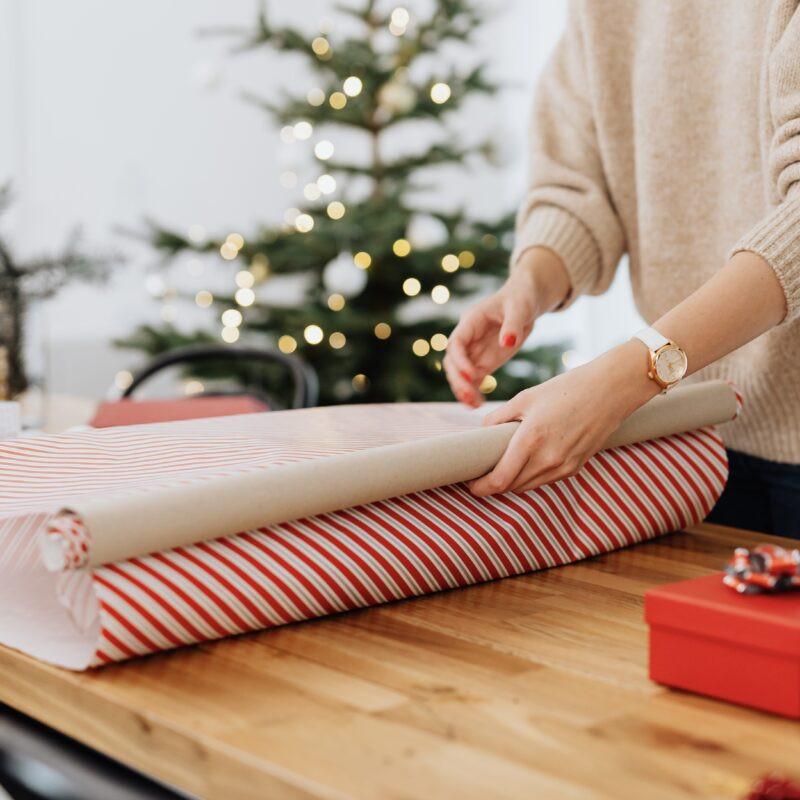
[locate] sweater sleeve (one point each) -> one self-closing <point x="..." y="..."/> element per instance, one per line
<point x="567" y="207"/>
<point x="776" y="237"/>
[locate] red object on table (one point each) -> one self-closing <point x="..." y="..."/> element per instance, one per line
<point x="140" y="412"/>
<point x="769" y="788"/>
<point x="741" y="648"/>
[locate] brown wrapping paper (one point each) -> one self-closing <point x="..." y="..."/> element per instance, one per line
<point x="128" y="524"/>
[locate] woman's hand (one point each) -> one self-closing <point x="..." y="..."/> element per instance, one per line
<point x="493" y="330"/>
<point x="567" y="419"/>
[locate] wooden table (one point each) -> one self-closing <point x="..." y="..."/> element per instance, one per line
<point x="530" y="687"/>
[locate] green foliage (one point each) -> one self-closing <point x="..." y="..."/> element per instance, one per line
<point x="387" y="94"/>
<point x="24" y="281"/>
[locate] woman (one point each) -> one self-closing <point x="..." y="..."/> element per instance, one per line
<point x="670" y="131"/>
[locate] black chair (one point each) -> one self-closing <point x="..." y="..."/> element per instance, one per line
<point x="305" y="392"/>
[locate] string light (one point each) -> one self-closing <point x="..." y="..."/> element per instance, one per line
<point x="260" y="266"/>
<point x="398" y="21"/>
<point x="193" y="387"/>
<point x="311" y="191"/>
<point x="336" y="210"/>
<point x="466" y="259"/>
<point x="327" y="184"/>
<point x="302" y="130"/>
<point x="412" y="287"/>
<point x="204" y="298"/>
<point x="197" y="233"/>
<point x="352" y="86"/>
<point x="489" y="241"/>
<point x="228" y="251"/>
<point x="244" y="279"/>
<point x="336" y="302"/>
<point x="450" y="262"/>
<point x="287" y="134"/>
<point x="123" y="379"/>
<point x="360" y="382"/>
<point x="440" y="93"/>
<point x="313" y="334"/>
<point x="231" y="318"/>
<point x="383" y="330"/>
<point x="288" y="179"/>
<point x="420" y="347"/>
<point x="304" y="223"/>
<point x="290" y="215"/>
<point x="401" y="247"/>
<point x="488" y="384"/>
<point x="323" y="149"/>
<point x="321" y="46"/>
<point x="229" y="335"/>
<point x="337" y="340"/>
<point x="440" y="294"/>
<point x="362" y="259"/>
<point x="401" y="17"/>
<point x="338" y="100"/>
<point x="570" y="359"/>
<point x="439" y="342"/>
<point x="287" y="344"/>
<point x="244" y="296"/>
<point x="315" y="97"/>
<point x="235" y="240"/>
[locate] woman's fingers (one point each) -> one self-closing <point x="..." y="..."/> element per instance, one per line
<point x="546" y="469"/>
<point x="505" y="413"/>
<point x="461" y="388"/>
<point x="537" y="479"/>
<point x="462" y="372"/>
<point x="516" y="316"/>
<point x="470" y="329"/>
<point x="508" y="468"/>
<point x="458" y="358"/>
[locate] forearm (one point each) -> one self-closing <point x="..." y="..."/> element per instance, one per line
<point x="738" y="304"/>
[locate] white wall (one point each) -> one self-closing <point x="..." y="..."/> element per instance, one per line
<point x="117" y="111"/>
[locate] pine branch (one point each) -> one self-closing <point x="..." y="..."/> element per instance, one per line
<point x="400" y="168"/>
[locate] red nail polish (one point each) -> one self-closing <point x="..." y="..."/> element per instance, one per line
<point x="509" y="340"/>
<point x="464" y="374"/>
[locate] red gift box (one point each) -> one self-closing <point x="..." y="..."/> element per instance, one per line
<point x="706" y="638"/>
<point x="141" y="412"/>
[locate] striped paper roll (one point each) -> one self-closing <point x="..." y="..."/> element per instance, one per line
<point x="273" y="574"/>
<point x="382" y="462"/>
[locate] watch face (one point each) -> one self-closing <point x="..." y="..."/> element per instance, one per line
<point x="671" y="365"/>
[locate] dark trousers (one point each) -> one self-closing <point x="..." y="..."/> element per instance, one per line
<point x="761" y="496"/>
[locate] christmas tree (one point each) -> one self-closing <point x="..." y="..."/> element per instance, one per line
<point x="24" y="281"/>
<point x="379" y="286"/>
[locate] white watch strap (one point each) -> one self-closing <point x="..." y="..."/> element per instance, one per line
<point x="652" y="338"/>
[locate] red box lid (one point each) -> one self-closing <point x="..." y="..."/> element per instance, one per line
<point x="707" y="607"/>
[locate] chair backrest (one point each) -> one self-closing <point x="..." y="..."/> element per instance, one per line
<point x="305" y="392"/>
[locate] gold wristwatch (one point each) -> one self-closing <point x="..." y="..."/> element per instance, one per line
<point x="668" y="362"/>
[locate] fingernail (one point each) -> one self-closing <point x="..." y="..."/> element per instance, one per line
<point x="509" y="340"/>
<point x="465" y="375"/>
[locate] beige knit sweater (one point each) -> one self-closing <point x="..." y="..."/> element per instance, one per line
<point x="670" y="130"/>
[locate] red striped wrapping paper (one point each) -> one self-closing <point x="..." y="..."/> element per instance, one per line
<point x="401" y="547"/>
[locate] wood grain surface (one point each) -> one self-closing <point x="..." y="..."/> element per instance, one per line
<point x="530" y="687"/>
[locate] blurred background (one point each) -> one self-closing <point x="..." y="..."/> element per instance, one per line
<point x="328" y="185"/>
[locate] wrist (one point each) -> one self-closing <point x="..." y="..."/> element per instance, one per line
<point x="624" y="370"/>
<point x="544" y="275"/>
